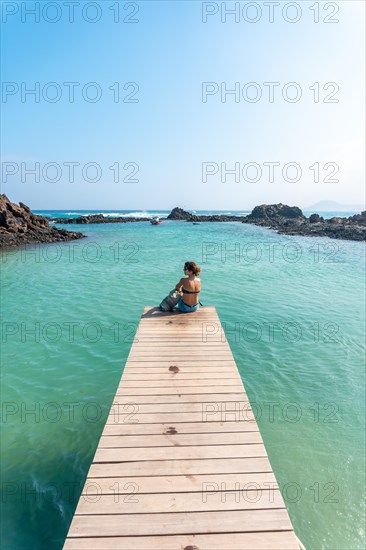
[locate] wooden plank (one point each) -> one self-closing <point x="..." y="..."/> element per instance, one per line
<point x="185" y="362"/>
<point x="192" y="364"/>
<point x="209" y="329"/>
<point x="168" y="440"/>
<point x="180" y="523"/>
<point x="179" y="382"/>
<point x="156" y="338"/>
<point x="130" y="375"/>
<point x="182" y="390"/>
<point x="211" y="372"/>
<point x="179" y="453"/>
<point x="210" y="466"/>
<point x="180" y="484"/>
<point x="202" y="398"/>
<point x="207" y="409"/>
<point x="181" y="428"/>
<point x="179" y="338"/>
<point x="181" y="463"/>
<point x="179" y="320"/>
<point x="180" y="361"/>
<point x="207" y="500"/>
<point x="175" y="344"/>
<point x="178" y="353"/>
<point x="271" y="540"/>
<point x="207" y="326"/>
<point x="135" y="418"/>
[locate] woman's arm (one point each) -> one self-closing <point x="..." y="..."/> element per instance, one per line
<point x="179" y="285"/>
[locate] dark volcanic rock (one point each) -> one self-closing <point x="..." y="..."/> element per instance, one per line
<point x="275" y="213"/>
<point x="18" y="225"/>
<point x="220" y="218"/>
<point x="288" y="220"/>
<point x="177" y="214"/>
<point x="98" y="218"/>
<point x="358" y="218"/>
<point x="180" y="214"/>
<point x="315" y="218"/>
<point x="291" y="221"/>
<point x="93" y="218"/>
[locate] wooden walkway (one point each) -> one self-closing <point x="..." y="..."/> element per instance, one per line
<point x="181" y="464"/>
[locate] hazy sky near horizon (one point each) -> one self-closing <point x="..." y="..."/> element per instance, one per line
<point x="167" y="136"/>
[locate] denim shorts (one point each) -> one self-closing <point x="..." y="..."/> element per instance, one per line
<point x="184" y="308"/>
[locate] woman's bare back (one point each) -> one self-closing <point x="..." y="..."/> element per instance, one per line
<point x="192" y="286"/>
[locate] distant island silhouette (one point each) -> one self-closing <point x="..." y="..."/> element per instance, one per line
<point x="333" y="206"/>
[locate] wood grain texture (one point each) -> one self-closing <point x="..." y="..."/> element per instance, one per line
<point x="275" y="540"/>
<point x="181" y="463"/>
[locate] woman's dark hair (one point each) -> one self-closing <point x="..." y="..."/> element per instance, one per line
<point x="193" y="267"/>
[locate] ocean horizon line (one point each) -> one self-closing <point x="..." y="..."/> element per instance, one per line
<point x="147" y="213"/>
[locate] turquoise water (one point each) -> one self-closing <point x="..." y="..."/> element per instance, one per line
<point x="294" y="316"/>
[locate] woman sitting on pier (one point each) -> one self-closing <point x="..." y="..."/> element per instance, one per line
<point x="190" y="286"/>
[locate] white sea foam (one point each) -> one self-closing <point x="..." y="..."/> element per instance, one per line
<point x="137" y="214"/>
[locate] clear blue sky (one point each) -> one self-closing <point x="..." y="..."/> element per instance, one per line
<point x="170" y="132"/>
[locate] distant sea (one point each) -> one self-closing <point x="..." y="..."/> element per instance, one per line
<point x="293" y="311"/>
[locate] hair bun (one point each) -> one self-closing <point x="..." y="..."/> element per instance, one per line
<point x="192" y="266"/>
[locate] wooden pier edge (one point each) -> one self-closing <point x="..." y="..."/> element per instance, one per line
<point x="181" y="464"/>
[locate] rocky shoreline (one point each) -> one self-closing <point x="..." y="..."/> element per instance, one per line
<point x="19" y="226"/>
<point x="289" y="220"/>
<point x="176" y="214"/>
<point x="98" y="218"/>
<point x="180" y="214"/>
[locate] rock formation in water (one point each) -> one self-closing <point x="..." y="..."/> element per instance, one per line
<point x="98" y="218"/>
<point x="291" y="221"/>
<point x="18" y="225"/>
<point x="180" y="214"/>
